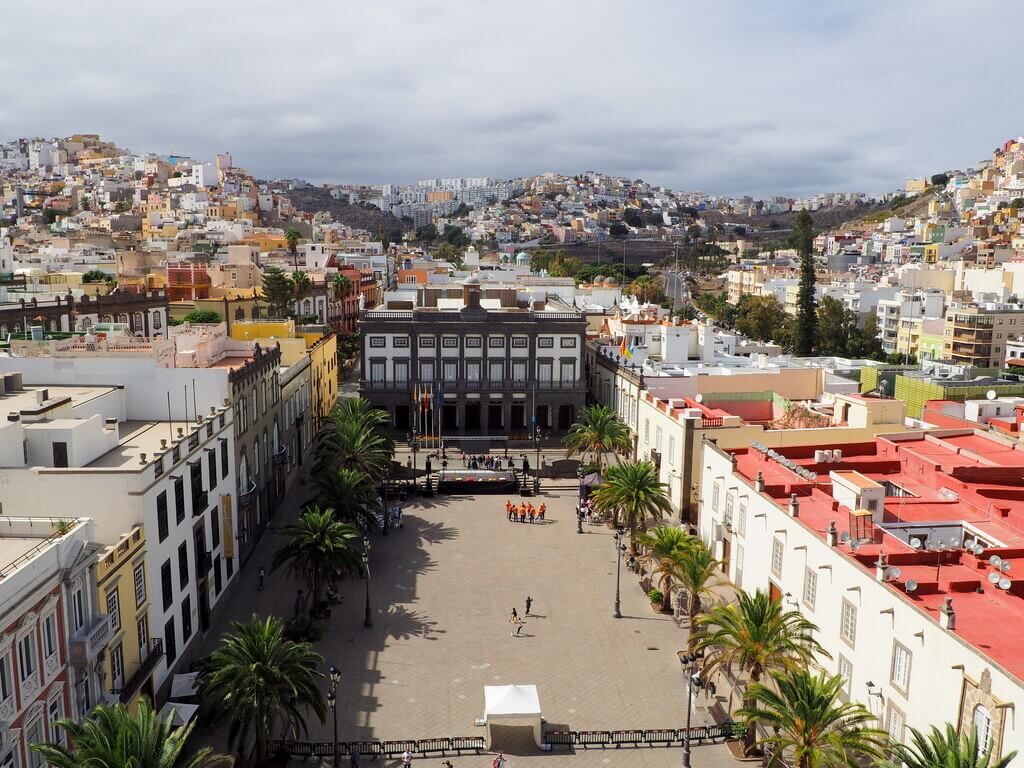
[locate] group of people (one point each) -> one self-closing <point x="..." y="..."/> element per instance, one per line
<point x="483" y="461"/>
<point x="588" y="511"/>
<point x="498" y="762"/>
<point x="524" y="512"/>
<point x="517" y="622"/>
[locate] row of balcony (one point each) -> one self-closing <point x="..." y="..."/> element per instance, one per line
<point x="452" y="387"/>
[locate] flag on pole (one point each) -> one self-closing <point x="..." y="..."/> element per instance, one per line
<point x="625" y="351"/>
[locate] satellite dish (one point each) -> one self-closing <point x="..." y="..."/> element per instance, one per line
<point x="995" y="560"/>
<point x="978" y="549"/>
<point x="844" y="536"/>
<point x="969" y="544"/>
<point x="916" y="542"/>
<point x="994" y="577"/>
<point x="1004" y="567"/>
<point x="854" y="545"/>
<point x="991" y="394"/>
<point x="1004" y="583"/>
<point x="954" y="542"/>
<point x="911" y="585"/>
<point x="893" y="573"/>
<point x="699" y="398"/>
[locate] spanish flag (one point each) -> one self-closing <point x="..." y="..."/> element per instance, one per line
<point x="625" y="351"/>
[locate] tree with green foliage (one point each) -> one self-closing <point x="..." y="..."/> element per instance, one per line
<point x="811" y="726"/>
<point x="119" y="737"/>
<point x="940" y="179"/>
<point x="426" y="233"/>
<point x="647" y="289"/>
<point x="760" y="317"/>
<point x="291" y="237"/>
<point x="318" y="547"/>
<point x="263" y="685"/>
<point x="806" y="315"/>
<point x="50" y="216"/>
<point x="694" y="231"/>
<point x="946" y="748"/>
<point x="97" y="276"/>
<point x="633" y="217"/>
<point x="277" y="291"/>
<point x="454" y="235"/>
<point x="864" y="342"/>
<point x="302" y="285"/>
<point x="202" y="316"/>
<point x="618" y="229"/>
<point x="835" y="325"/>
<point x="342" y="286"/>
<point x="632" y="494"/>
<point x="598" y="431"/>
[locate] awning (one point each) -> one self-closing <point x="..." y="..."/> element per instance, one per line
<point x="511" y="701"/>
<point x="593" y="479"/>
<point x="180" y="714"/>
<point x="184" y="686"/>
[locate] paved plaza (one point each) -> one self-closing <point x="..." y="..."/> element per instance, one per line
<point x="441" y="591"/>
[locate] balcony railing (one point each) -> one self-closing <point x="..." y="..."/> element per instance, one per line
<point x="485" y="385"/>
<point x="247" y="498"/>
<point x="281" y="457"/>
<point x="91" y="639"/>
<point x="154" y="653"/>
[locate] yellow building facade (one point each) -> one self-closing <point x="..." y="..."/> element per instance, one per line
<point x="323" y="374"/>
<point x="123" y="593"/>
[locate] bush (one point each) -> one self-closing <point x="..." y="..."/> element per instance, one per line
<point x="655" y="596"/>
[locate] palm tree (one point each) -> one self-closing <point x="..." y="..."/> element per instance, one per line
<point x="755" y="635"/>
<point x="349" y="492"/>
<point x="292" y="236"/>
<point x="598" y="430"/>
<point x="319" y="546"/>
<point x="946" y="749"/>
<point x="116" y="737"/>
<point x="342" y="286"/>
<point x="632" y="493"/>
<point x="262" y="683"/>
<point x="350" y="444"/>
<point x="302" y="286"/>
<point x="697" y="573"/>
<point x="813" y="728"/>
<point x="661" y="541"/>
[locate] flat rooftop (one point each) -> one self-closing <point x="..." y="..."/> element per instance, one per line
<point x="137" y="437"/>
<point x="941" y="488"/>
<point x="26" y="399"/>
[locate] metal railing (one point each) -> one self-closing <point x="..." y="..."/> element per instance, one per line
<point x="483" y="385"/>
<point x="642" y="736"/>
<point x="455" y="745"/>
<point x="142" y="674"/>
<point x="247" y="498"/>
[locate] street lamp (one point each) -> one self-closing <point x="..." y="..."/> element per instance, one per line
<point x="619" y="550"/>
<point x="332" y="702"/>
<point x="688" y="662"/>
<point x="537" y="437"/>
<point x="579" y="505"/>
<point x="387" y="474"/>
<point x="368" y="619"/>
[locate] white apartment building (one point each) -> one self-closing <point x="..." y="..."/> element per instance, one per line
<point x="88" y="450"/>
<point x="907" y="305"/>
<point x="890" y="555"/>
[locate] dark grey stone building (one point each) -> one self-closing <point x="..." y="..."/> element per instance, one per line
<point x="485" y="361"/>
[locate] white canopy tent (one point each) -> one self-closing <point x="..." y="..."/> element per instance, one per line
<point x="512" y="705"/>
<point x="181" y="714"/>
<point x="183" y="686"/>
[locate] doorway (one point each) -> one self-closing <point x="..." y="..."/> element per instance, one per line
<point x="401" y="417"/>
<point x="564" y="418"/>
<point x="494" y="417"/>
<point x="473" y="416"/>
<point x="450" y="416"/>
<point x="543" y="417"/>
<point x="518" y="416"/>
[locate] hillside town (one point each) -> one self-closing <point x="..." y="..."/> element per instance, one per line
<point x="810" y="407"/>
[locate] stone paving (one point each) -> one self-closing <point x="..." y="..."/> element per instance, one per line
<point x="441" y="591"/>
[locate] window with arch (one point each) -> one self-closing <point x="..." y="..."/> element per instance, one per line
<point x="982" y="720"/>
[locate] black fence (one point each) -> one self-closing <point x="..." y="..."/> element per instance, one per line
<point x="454" y="745"/>
<point x="647" y="737"/>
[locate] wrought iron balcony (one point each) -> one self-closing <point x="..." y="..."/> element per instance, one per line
<point x="480" y="385"/>
<point x="138" y="679"/>
<point x="247" y="498"/>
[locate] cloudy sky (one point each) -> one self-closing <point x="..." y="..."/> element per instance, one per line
<point x="732" y="97"/>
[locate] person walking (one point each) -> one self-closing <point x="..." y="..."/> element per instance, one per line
<point x="407" y="758"/>
<point x="529" y="604"/>
<point x="353" y="758"/>
<point x="532" y="512"/>
<point x="519" y="628"/>
<point x="262" y="574"/>
<point x="499" y="761"/>
<point x="515" y="616"/>
<point x="542" y="511"/>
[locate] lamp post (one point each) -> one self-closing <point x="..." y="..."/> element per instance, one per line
<point x="537" y="437"/>
<point x="619" y="549"/>
<point x="332" y="701"/>
<point x="387" y="474"/>
<point x="368" y="619"/>
<point x="688" y="661"/>
<point x="579" y="504"/>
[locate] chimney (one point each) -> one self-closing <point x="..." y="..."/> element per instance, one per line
<point x="947" y="616"/>
<point x="831" y="535"/>
<point x="13" y="416"/>
<point x="732" y="460"/>
<point x="759" y="483"/>
<point x="880" y="566"/>
<point x="42" y="395"/>
<point x="794" y="506"/>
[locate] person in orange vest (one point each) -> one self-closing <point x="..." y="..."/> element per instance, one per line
<point x="543" y="510"/>
<point x="510" y="510"/>
<point x="522" y="512"/>
<point x="533" y="512"/>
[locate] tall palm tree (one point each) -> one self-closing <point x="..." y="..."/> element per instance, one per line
<point x="813" y="728"/>
<point x="302" y="286"/>
<point x="342" y="286"/>
<point x="698" y="574"/>
<point x="632" y="493"/>
<point x="263" y="684"/>
<point x="755" y="635"/>
<point x="318" y="546"/>
<point x="350" y="493"/>
<point x="291" y="237"/>
<point x="597" y="432"/>
<point x="362" y="409"/>
<point x="661" y="541"/>
<point x="116" y="737"/>
<point x="351" y="444"/>
<point x="946" y="749"/>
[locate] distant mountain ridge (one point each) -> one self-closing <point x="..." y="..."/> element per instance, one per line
<point x="315" y="199"/>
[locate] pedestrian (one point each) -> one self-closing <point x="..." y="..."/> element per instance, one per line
<point x="353" y="758"/>
<point x="515" y="616"/>
<point x="428" y="466"/>
<point x="262" y="573"/>
<point x="407" y="758"/>
<point x="298" y="603"/>
<point x="446" y="764"/>
<point x="543" y="509"/>
<point x="529" y="604"/>
<point x="519" y="628"/>
<point x="499" y="761"/>
<point x="533" y="513"/>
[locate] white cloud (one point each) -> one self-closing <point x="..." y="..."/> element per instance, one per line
<point x="725" y="97"/>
